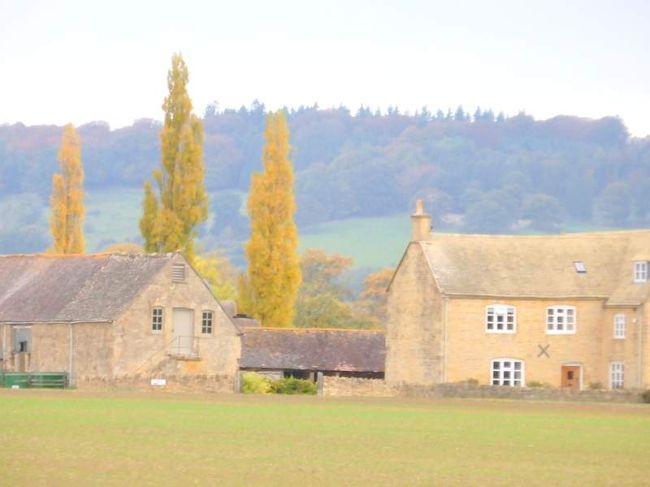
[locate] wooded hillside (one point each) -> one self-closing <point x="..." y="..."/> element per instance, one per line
<point x="494" y="173"/>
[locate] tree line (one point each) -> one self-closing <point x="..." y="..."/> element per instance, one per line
<point x="493" y="170"/>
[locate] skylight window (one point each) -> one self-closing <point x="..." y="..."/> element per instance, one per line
<point x="580" y="266"/>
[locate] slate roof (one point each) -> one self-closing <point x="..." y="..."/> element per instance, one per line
<point x="313" y="349"/>
<point x="86" y="288"/>
<point x="540" y="266"/>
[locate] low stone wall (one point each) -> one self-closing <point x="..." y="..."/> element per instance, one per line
<point x="343" y="386"/>
<point x="185" y="383"/>
<point x="352" y="386"/>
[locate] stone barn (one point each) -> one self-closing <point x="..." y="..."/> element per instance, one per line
<point x="304" y="353"/>
<point x="114" y="318"/>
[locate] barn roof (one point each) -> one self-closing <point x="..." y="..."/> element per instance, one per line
<point x="86" y="288"/>
<point x="313" y="349"/>
<point x="540" y="266"/>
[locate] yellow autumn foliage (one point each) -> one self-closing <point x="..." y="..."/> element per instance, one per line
<point x="273" y="265"/>
<point x="66" y="201"/>
<point x="171" y="216"/>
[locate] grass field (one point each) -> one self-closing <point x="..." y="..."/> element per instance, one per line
<point x="378" y="242"/>
<point x="113" y="215"/>
<point x="76" y="438"/>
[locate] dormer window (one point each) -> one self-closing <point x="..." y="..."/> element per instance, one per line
<point x="641" y="271"/>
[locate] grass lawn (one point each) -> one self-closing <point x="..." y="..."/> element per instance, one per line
<point x="76" y="438"/>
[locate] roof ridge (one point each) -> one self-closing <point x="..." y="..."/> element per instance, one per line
<point x="553" y="236"/>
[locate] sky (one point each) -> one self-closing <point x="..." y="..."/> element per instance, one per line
<point x="82" y="61"/>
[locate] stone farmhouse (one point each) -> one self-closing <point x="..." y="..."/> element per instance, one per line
<point x="569" y="310"/>
<point x="113" y="317"/>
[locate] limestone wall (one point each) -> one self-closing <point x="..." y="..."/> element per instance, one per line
<point x="141" y="350"/>
<point x="181" y="383"/>
<point x="415" y="324"/>
<point x="344" y="386"/>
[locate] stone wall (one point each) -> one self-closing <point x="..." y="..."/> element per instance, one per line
<point x="415" y="323"/>
<point x="181" y="383"/>
<point x="344" y="386"/>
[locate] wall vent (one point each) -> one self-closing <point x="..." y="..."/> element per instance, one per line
<point x="178" y="272"/>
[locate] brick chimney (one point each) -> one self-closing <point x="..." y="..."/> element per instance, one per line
<point x="420" y="223"/>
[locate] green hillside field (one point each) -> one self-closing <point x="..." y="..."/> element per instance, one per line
<point x="113" y="215"/>
<point x="77" y="438"/>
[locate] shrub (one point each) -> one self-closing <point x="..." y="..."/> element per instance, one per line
<point x="253" y="383"/>
<point x="645" y="396"/>
<point x="291" y="385"/>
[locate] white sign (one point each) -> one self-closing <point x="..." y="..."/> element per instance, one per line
<point x="158" y="382"/>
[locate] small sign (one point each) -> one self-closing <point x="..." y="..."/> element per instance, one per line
<point x="158" y="382"/>
<point x="15" y="386"/>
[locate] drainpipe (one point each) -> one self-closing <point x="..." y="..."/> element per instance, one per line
<point x="4" y="347"/>
<point x="639" y="340"/>
<point x="71" y="357"/>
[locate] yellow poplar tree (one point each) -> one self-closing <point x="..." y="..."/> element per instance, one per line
<point x="171" y="216"/>
<point x="273" y="265"/>
<point x="66" y="202"/>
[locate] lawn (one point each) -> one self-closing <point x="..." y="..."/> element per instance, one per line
<point x="76" y="438"/>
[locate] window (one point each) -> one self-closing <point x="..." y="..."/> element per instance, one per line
<point x="507" y="372"/>
<point x="156" y="319"/>
<point x="580" y="267"/>
<point x="22" y="339"/>
<point x="178" y="272"/>
<point x="500" y="319"/>
<point x="206" y="323"/>
<point x="640" y="271"/>
<point x="560" y="320"/>
<point x="616" y="375"/>
<point x="619" y="325"/>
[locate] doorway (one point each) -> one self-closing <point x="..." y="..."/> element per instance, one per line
<point x="571" y="377"/>
<point x="183" y="331"/>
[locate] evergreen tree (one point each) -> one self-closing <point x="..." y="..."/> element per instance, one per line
<point x="170" y="219"/>
<point x="66" y="221"/>
<point x="273" y="266"/>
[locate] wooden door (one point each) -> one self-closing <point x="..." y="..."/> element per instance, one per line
<point x="183" y="331"/>
<point x="571" y="377"/>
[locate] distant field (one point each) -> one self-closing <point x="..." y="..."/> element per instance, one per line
<point x="113" y="215"/>
<point x="371" y="242"/>
<point x="75" y="438"/>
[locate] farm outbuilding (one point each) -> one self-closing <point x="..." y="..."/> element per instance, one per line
<point x="112" y="317"/>
<point x="303" y="353"/>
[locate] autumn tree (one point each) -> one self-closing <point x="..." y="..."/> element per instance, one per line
<point x="218" y="272"/>
<point x="372" y="300"/>
<point x="273" y="268"/>
<point x="66" y="202"/>
<point x="179" y="203"/>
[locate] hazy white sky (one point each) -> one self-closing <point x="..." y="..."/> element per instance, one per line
<point x="89" y="60"/>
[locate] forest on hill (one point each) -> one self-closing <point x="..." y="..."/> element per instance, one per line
<point x="478" y="172"/>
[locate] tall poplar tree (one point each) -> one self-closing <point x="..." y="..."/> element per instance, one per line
<point x="273" y="265"/>
<point x="66" y="202"/>
<point x="171" y="216"/>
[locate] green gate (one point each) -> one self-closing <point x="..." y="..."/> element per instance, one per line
<point x="28" y="380"/>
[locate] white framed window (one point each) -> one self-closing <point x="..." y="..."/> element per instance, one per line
<point x="156" y="319"/>
<point x="641" y="271"/>
<point x="507" y="372"/>
<point x="616" y="375"/>
<point x="206" y="323"/>
<point x="500" y="318"/>
<point x="619" y="325"/>
<point x="560" y="320"/>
